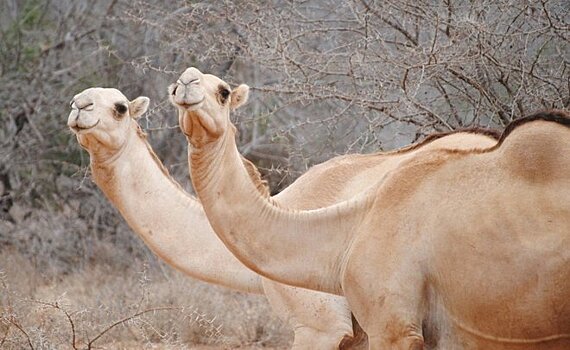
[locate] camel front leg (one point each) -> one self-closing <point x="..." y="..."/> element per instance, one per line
<point x="393" y="323"/>
<point x="388" y="300"/>
<point x="397" y="334"/>
<point x="320" y="320"/>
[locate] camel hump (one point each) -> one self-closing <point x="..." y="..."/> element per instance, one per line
<point x="537" y="147"/>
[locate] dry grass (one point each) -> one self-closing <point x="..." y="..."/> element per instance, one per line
<point x="147" y="305"/>
<point x="74" y="276"/>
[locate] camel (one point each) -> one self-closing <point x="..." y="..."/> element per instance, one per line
<point x="173" y="224"/>
<point x="395" y="250"/>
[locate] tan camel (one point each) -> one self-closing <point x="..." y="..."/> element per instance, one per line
<point x="173" y="224"/>
<point x="467" y="248"/>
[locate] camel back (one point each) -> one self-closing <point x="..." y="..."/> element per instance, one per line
<point x="494" y="134"/>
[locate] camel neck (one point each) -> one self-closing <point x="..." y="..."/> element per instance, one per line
<point x="301" y="248"/>
<point x="171" y="222"/>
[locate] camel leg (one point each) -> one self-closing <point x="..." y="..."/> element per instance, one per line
<point x="404" y="338"/>
<point x="393" y="320"/>
<point x="307" y="338"/>
<point x="397" y="324"/>
<point x="357" y="342"/>
<point x="320" y="320"/>
<point x="388" y="302"/>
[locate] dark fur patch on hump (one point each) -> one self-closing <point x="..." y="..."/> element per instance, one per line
<point x="552" y="115"/>
<point x="432" y="137"/>
<point x="492" y="133"/>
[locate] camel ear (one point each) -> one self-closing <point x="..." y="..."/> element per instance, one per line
<point x="138" y="106"/>
<point x="239" y="96"/>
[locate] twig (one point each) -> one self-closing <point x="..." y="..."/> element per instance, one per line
<point x="67" y="315"/>
<point x="90" y="344"/>
<point x="13" y="321"/>
<point x="3" y="340"/>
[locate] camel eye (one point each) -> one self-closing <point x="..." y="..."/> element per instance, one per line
<point x="224" y="94"/>
<point x="120" y="108"/>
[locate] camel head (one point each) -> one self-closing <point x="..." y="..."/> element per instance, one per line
<point x="102" y="119"/>
<point x="204" y="102"/>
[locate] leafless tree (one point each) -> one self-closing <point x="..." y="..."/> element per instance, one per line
<point x="334" y="77"/>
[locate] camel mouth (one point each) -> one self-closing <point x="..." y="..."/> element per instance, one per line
<point x="78" y="129"/>
<point x="190" y="105"/>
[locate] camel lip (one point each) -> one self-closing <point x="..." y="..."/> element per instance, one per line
<point x="190" y="105"/>
<point x="79" y="129"/>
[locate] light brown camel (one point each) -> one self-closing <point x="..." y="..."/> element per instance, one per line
<point x="470" y="248"/>
<point x="173" y="224"/>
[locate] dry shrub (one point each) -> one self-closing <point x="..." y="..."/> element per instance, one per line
<point x="173" y="310"/>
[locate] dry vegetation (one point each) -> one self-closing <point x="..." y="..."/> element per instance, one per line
<point x="328" y="77"/>
<point x="103" y="306"/>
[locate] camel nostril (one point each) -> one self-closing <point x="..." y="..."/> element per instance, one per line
<point x="174" y="90"/>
